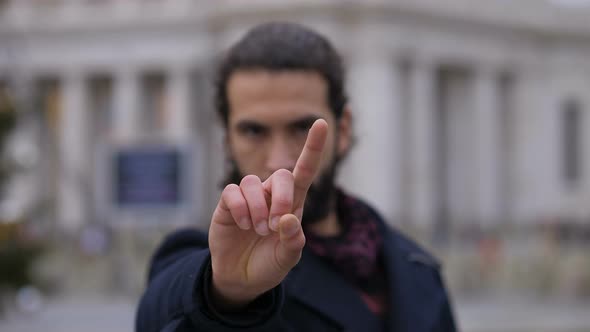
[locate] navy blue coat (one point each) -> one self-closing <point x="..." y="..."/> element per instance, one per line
<point x="313" y="297"/>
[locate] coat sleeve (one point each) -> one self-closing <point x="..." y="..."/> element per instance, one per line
<point x="446" y="316"/>
<point x="176" y="298"/>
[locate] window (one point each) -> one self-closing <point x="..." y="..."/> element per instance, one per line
<point x="572" y="142"/>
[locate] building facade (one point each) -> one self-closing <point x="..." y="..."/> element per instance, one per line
<point x="467" y="114"/>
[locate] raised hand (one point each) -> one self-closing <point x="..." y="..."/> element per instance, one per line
<point x="255" y="236"/>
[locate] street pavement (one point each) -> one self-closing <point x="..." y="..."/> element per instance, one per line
<point x="99" y="314"/>
<point x="87" y="314"/>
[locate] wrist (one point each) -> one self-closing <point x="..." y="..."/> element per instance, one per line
<point x="228" y="296"/>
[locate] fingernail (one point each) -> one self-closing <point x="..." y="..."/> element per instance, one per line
<point x="274" y="223"/>
<point x="245" y="223"/>
<point x="262" y="228"/>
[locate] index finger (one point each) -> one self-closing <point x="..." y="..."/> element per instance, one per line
<point x="308" y="164"/>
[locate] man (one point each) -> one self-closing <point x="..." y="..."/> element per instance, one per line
<point x="287" y="250"/>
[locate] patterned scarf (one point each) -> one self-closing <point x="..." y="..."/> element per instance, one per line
<point x="355" y="251"/>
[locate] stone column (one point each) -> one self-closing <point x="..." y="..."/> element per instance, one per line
<point x="126" y="105"/>
<point x="178" y="92"/>
<point x="73" y="153"/>
<point x="487" y="125"/>
<point x="373" y="169"/>
<point x="423" y="126"/>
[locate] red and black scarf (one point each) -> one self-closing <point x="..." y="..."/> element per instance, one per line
<point x="356" y="251"/>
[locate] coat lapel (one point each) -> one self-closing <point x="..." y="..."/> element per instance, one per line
<point x="411" y="292"/>
<point x="317" y="286"/>
<point x="398" y="283"/>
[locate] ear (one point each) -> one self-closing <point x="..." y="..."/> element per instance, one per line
<point x="344" y="139"/>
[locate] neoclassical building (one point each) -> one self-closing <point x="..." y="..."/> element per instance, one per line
<point x="467" y="113"/>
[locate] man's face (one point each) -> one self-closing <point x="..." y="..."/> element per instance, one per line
<point x="270" y="114"/>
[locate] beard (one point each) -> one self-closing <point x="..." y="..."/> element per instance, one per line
<point x="320" y="196"/>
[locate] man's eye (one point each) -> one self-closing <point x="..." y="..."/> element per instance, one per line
<point x="252" y="131"/>
<point x="301" y="130"/>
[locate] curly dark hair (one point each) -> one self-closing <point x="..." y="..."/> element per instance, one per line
<point x="281" y="46"/>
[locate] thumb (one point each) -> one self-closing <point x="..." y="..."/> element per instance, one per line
<point x="291" y="242"/>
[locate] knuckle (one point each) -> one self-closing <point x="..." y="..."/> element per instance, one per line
<point x="231" y="192"/>
<point x="299" y="242"/>
<point x="306" y="170"/>
<point x="249" y="180"/>
<point x="302" y="186"/>
<point x="259" y="208"/>
<point x="230" y="187"/>
<point x="282" y="203"/>
<point x="236" y="204"/>
<point x="283" y="173"/>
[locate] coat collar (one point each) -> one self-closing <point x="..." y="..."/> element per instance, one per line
<point x="411" y="275"/>
<point x="317" y="286"/>
<point x="413" y="286"/>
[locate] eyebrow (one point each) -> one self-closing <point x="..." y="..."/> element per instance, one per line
<point x="242" y="124"/>
<point x="306" y="122"/>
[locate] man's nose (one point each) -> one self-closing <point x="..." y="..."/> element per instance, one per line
<point x="280" y="156"/>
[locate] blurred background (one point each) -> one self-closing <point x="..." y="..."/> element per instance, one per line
<point x="472" y="121"/>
